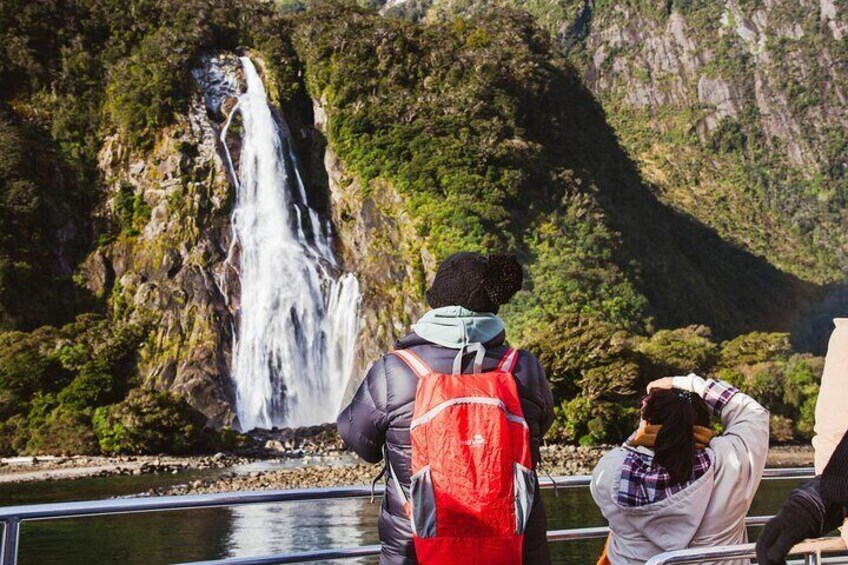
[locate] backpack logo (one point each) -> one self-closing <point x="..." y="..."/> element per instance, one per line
<point x="478" y="441"/>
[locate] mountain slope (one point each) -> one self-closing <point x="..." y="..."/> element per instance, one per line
<point x="734" y="115"/>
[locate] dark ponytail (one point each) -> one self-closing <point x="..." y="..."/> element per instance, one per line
<point x="678" y="411"/>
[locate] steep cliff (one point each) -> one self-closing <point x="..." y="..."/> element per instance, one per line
<point x="378" y="241"/>
<point x="170" y="207"/>
<point x="172" y="261"/>
<point x="736" y="115"/>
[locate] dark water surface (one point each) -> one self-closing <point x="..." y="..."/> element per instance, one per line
<point x="193" y="535"/>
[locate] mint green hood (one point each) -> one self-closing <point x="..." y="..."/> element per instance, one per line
<point x="456" y="327"/>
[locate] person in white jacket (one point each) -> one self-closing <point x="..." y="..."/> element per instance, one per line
<point x="703" y="503"/>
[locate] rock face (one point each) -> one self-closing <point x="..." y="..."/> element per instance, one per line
<point x="735" y="112"/>
<point x="681" y="59"/>
<point x="376" y="240"/>
<point x="732" y="112"/>
<point x="169" y="264"/>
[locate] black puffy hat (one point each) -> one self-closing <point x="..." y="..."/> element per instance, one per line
<point x="476" y="282"/>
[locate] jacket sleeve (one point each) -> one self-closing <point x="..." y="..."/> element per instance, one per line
<point x="363" y="423"/>
<point x="536" y="400"/>
<point x="745" y="423"/>
<point x="546" y="400"/>
<point x="830" y="514"/>
<point x="835" y="477"/>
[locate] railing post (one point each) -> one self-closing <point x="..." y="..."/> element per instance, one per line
<point x="10" y="542"/>
<point x="812" y="558"/>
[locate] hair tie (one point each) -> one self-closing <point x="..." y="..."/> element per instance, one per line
<point x="684" y="395"/>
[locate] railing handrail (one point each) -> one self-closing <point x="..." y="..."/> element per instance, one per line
<point x="695" y="555"/>
<point x="810" y="550"/>
<point x="574" y="534"/>
<point x="12" y="516"/>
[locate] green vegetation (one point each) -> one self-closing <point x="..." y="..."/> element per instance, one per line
<point x="52" y="380"/>
<point x="493" y="143"/>
<point x="480" y="135"/>
<point x="39" y="205"/>
<point x="450" y="135"/>
<point x="72" y="390"/>
<point x="131" y="211"/>
<point x="599" y="373"/>
<point x="763" y="176"/>
<point x="70" y="75"/>
<point x="594" y="374"/>
<point x="462" y="119"/>
<point x="148" y="421"/>
<point x="574" y="272"/>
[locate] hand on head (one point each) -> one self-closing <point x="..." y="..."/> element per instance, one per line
<point x="663" y="383"/>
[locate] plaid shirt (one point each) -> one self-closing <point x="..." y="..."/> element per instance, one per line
<point x="643" y="483"/>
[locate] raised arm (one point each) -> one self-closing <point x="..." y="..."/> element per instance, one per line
<point x="745" y="422"/>
<point x="741" y="415"/>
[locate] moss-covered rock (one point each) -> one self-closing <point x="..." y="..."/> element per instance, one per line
<point x="148" y="421"/>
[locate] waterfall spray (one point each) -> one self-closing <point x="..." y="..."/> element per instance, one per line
<point x="298" y="320"/>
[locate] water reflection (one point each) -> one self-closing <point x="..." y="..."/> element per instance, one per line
<point x="277" y="528"/>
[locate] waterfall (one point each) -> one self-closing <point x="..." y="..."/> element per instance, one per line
<point x="298" y="319"/>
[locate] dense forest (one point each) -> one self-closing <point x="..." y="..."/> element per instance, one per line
<point x="674" y="235"/>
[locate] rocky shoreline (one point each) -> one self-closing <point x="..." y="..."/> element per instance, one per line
<point x="54" y="468"/>
<point x="289" y="458"/>
<point x="301" y="444"/>
<point x="560" y="460"/>
<point x="344" y="469"/>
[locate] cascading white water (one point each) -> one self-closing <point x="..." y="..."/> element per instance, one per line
<point x="298" y="320"/>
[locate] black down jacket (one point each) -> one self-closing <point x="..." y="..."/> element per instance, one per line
<point x="381" y="411"/>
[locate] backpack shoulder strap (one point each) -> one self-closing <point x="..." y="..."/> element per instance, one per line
<point x="508" y="361"/>
<point x="418" y="366"/>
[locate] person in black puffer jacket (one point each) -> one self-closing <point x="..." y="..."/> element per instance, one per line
<point x="465" y="296"/>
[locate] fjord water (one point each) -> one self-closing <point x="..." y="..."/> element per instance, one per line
<point x="182" y="536"/>
<point x="298" y="318"/>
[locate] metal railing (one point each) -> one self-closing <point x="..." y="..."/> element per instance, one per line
<point x="12" y="516"/>
<point x="811" y="551"/>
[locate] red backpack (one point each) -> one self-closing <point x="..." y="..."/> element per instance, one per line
<point x="472" y="474"/>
